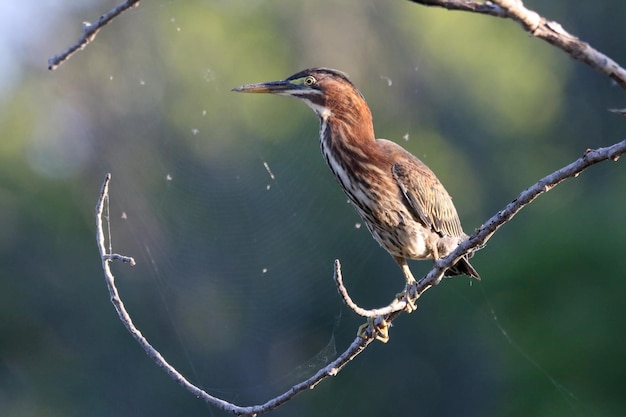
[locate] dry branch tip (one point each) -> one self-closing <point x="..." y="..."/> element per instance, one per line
<point x="89" y="32"/>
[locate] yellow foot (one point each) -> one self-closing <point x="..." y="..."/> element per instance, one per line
<point x="410" y="305"/>
<point x="376" y="326"/>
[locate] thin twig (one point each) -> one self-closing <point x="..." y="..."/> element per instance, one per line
<point x="90" y="30"/>
<point x="396" y="305"/>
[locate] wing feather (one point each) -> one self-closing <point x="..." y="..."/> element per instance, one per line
<point x="428" y="199"/>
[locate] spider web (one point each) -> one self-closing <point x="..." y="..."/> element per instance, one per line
<point x="230" y="266"/>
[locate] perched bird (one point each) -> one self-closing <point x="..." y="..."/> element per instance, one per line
<point x="399" y="198"/>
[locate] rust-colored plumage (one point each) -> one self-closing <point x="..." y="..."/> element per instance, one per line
<point x="401" y="201"/>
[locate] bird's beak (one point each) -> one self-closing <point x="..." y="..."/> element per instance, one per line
<point x="272" y="87"/>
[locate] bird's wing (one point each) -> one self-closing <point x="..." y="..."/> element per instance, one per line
<point x="427" y="198"/>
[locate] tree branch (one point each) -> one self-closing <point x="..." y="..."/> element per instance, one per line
<point x="90" y="31"/>
<point x="550" y="31"/>
<point x="375" y="328"/>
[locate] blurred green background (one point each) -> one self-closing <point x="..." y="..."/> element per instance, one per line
<point x="234" y="277"/>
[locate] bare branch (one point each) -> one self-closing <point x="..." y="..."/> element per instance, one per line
<point x="554" y="33"/>
<point x="538" y="26"/>
<point x="376" y="327"/>
<point x="90" y="30"/>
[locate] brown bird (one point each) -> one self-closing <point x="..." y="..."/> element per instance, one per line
<point x="399" y="198"/>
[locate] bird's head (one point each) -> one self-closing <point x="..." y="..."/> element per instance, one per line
<point x="324" y="90"/>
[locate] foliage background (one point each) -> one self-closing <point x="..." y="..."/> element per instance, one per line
<point x="234" y="281"/>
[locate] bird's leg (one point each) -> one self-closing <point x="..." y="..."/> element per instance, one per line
<point x="378" y="327"/>
<point x="405" y="295"/>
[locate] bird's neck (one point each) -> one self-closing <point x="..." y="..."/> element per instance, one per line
<point x="348" y="144"/>
<point x="347" y="124"/>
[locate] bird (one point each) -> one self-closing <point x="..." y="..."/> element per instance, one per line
<point x="401" y="201"/>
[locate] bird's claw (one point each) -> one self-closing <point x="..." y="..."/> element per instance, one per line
<point x="375" y="326"/>
<point x="409" y="301"/>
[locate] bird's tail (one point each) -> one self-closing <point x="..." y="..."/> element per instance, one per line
<point x="462" y="267"/>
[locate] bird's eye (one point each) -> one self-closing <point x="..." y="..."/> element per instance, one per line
<point x="309" y="81"/>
